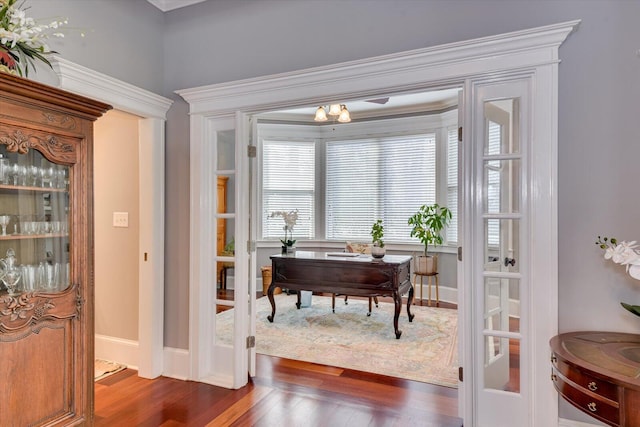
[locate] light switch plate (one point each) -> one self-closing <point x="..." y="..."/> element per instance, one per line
<point x="121" y="219"/>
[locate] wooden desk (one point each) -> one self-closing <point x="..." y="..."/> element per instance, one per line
<point x="597" y="372"/>
<point x="358" y="275"/>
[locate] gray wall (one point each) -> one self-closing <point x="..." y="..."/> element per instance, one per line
<point x="223" y="40"/>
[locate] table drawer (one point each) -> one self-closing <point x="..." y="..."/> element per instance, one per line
<point x="587" y="402"/>
<point x="586" y="381"/>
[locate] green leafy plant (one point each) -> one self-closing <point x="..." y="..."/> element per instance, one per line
<point x="377" y="233"/>
<point x="428" y="222"/>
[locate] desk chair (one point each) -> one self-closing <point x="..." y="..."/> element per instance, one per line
<point x="362" y="248"/>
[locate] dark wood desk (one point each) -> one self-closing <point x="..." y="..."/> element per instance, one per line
<point x="597" y="372"/>
<point x="359" y="276"/>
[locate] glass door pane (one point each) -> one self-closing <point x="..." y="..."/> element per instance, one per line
<point x="34" y="223"/>
<point x="501" y="211"/>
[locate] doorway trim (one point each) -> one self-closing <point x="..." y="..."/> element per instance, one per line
<point x="457" y="64"/>
<point x="152" y="110"/>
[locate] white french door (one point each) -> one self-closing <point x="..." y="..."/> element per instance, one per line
<point x="499" y="209"/>
<point x="222" y="287"/>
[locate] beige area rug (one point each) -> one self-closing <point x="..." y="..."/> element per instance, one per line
<point x="348" y="338"/>
<point x="104" y="368"/>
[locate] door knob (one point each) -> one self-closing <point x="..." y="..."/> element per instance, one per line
<point x="509" y="262"/>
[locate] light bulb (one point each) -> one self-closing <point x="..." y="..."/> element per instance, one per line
<point x="334" y="110"/>
<point x="321" y="115"/>
<point x="344" y="115"/>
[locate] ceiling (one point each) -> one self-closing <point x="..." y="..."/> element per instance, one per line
<point x="393" y="105"/>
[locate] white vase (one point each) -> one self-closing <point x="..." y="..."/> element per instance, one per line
<point x="426" y="264"/>
<point x="378" y="252"/>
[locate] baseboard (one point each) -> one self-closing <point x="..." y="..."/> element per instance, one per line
<point x="117" y="349"/>
<point x="563" y="422"/>
<point x="176" y="363"/>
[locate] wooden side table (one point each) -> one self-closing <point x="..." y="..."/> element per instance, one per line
<point x="428" y="276"/>
<point x="598" y="373"/>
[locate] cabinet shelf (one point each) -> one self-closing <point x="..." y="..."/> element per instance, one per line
<point x="32" y="236"/>
<point x="30" y="188"/>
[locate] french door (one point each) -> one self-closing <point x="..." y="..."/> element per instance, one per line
<point x="497" y="273"/>
<point x="223" y="264"/>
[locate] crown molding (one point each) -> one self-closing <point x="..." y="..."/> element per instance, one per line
<point x="321" y="85"/>
<point x="121" y="95"/>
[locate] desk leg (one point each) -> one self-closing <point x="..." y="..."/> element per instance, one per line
<point x="397" y="299"/>
<point x="272" y="301"/>
<point x="409" y="302"/>
<point x="299" y="303"/>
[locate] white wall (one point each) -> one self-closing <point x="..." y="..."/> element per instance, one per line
<point x="116" y="249"/>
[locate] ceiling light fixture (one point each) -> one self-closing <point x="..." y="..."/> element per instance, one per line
<point x="335" y="110"/>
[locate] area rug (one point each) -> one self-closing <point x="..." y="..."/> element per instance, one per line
<point x="104" y="368"/>
<point x="348" y="338"/>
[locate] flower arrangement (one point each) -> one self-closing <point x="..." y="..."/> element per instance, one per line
<point x="623" y="253"/>
<point x="290" y="219"/>
<point x="22" y="39"/>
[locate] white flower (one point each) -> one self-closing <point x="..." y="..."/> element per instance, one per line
<point x="623" y="253"/>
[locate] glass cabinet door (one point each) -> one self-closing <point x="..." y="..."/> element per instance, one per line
<point x="34" y="223"/>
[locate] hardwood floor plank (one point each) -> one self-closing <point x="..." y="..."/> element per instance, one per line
<point x="283" y="393"/>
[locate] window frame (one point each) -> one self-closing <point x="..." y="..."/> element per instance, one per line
<point x="439" y="123"/>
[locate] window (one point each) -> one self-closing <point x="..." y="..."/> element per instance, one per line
<point x="383" y="178"/>
<point x="341" y="181"/>
<point x="288" y="183"/>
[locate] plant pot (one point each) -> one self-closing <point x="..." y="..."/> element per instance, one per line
<point x="378" y="252"/>
<point x="426" y="264"/>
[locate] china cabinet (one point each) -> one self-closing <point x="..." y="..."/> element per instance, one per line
<point x="46" y="251"/>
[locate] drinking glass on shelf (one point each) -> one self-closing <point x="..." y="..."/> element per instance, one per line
<point x="33" y="173"/>
<point x="4" y="221"/>
<point x="29" y="277"/>
<point x="15" y="173"/>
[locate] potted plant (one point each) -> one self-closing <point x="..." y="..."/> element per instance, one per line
<point x="290" y="218"/>
<point x="428" y="222"/>
<point x="377" y="233"/>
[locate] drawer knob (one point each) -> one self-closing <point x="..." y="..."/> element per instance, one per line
<point x="592" y="407"/>
<point x="554" y="377"/>
<point x="592" y="386"/>
<point x="554" y="359"/>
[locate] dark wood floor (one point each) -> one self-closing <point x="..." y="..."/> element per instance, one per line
<point x="283" y="393"/>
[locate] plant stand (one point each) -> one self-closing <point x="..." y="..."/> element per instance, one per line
<point x="428" y="276"/>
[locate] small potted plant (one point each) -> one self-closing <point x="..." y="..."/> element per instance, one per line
<point x="290" y="218"/>
<point x="377" y="233"/>
<point x="427" y="225"/>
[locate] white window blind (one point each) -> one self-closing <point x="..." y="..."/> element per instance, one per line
<point x="288" y="183"/>
<point x="493" y="171"/>
<point x="452" y="184"/>
<point x="382" y="178"/>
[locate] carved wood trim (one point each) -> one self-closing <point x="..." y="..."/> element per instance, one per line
<point x="51" y="146"/>
<point x="24" y="310"/>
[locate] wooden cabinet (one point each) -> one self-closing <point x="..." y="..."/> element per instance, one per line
<point x="597" y="372"/>
<point x="46" y="303"/>
<point x="221" y="222"/>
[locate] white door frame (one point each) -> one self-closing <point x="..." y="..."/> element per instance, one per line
<point x="533" y="51"/>
<point x="152" y="110"/>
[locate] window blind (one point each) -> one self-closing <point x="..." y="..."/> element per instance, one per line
<point x="452" y="184"/>
<point x="288" y="183"/>
<point x="492" y="179"/>
<point x="382" y="178"/>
